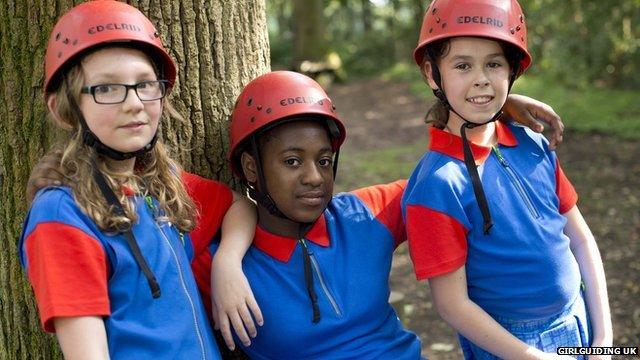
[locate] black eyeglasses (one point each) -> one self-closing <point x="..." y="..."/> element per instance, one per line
<point x="117" y="93"/>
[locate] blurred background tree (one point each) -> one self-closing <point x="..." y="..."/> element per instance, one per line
<point x="581" y="43"/>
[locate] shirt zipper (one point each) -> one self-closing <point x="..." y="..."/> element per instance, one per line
<point x="516" y="181"/>
<point x="325" y="289"/>
<point x="153" y="209"/>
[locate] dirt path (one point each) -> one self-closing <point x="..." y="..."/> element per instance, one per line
<point x="604" y="170"/>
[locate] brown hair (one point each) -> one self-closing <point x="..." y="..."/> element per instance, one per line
<point x="155" y="174"/>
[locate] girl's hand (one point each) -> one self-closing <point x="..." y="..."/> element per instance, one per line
<point x="233" y="301"/>
<point x="530" y="112"/>
<point x="47" y="172"/>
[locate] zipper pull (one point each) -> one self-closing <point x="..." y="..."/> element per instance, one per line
<point x="502" y="160"/>
<point x="303" y="242"/>
<point x="181" y="234"/>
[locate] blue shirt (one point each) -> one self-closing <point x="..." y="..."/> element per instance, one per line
<point x="78" y="270"/>
<point x="524" y="268"/>
<point x="351" y="247"/>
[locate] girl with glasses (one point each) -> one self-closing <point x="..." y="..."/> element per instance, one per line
<point x="108" y="254"/>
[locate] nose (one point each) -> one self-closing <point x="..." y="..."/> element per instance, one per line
<point x="481" y="80"/>
<point x="132" y="101"/>
<point x="312" y="175"/>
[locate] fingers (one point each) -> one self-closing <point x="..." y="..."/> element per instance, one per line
<point x="238" y="327"/>
<point x="549" y="116"/>
<point x="248" y="321"/>
<point x="255" y="309"/>
<point x="225" y="330"/>
<point x="215" y="316"/>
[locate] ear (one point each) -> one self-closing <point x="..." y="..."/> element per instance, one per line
<point x="427" y="71"/>
<point x="248" y="164"/>
<point x="53" y="110"/>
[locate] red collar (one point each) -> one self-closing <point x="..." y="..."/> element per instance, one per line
<point x="281" y="247"/>
<point x="451" y="145"/>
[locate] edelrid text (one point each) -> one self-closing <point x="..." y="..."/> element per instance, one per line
<point x="114" y="26"/>
<point x="479" y="20"/>
<point x="299" y="100"/>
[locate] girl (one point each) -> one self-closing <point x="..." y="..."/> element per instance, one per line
<point x="108" y="254"/>
<point x="491" y="218"/>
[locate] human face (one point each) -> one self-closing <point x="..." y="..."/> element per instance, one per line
<point x="130" y="125"/>
<point x="297" y="162"/>
<point x="475" y="76"/>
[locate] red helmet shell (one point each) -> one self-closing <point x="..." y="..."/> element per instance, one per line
<point x="100" y="22"/>
<point x="501" y="20"/>
<point x="276" y="96"/>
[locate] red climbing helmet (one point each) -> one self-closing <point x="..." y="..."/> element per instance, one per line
<point x="97" y="23"/>
<point x="277" y="96"/>
<point x="495" y="19"/>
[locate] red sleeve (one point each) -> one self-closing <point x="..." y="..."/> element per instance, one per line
<point x="384" y="202"/>
<point x="564" y="189"/>
<point x="68" y="272"/>
<point x="212" y="200"/>
<point x="437" y="242"/>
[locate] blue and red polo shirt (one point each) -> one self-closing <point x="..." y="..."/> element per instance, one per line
<point x="76" y="269"/>
<point x="351" y="247"/>
<point x="524" y="268"/>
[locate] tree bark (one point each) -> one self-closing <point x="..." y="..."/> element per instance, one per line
<point x="218" y="45"/>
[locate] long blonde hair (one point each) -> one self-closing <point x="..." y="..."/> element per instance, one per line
<point x="155" y="174"/>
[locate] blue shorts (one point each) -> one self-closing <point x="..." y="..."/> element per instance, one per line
<point x="568" y="328"/>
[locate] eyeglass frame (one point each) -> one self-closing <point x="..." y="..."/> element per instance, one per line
<point x="92" y="90"/>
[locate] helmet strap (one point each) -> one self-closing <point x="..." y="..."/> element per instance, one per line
<point x="469" y="160"/>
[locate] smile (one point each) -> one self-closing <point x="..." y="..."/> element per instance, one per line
<point x="480" y="100"/>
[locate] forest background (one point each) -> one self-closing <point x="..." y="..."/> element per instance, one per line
<point x="586" y="65"/>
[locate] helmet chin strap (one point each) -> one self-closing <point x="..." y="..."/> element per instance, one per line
<point x="91" y="140"/>
<point x="469" y="160"/>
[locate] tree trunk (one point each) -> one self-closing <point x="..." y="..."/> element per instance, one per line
<point x="219" y="46"/>
<point x="310" y="41"/>
<point x="366" y="16"/>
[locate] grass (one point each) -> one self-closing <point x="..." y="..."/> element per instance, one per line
<point x="607" y="111"/>
<point x="377" y="166"/>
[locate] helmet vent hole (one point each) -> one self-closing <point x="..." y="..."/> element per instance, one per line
<point x="75" y="42"/>
<point x="513" y="31"/>
<point x="269" y="111"/>
<point x="253" y="118"/>
<point x="444" y="25"/>
<point x="434" y="10"/>
<point x="438" y="19"/>
<point x="521" y="18"/>
<point x="430" y="30"/>
<point x="156" y="35"/>
<point x="518" y="28"/>
<point x="57" y="36"/>
<point x="250" y="102"/>
<point x="66" y="41"/>
<point x="320" y="102"/>
<point x="259" y="107"/>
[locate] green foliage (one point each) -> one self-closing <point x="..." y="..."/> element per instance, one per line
<point x="579" y="43"/>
